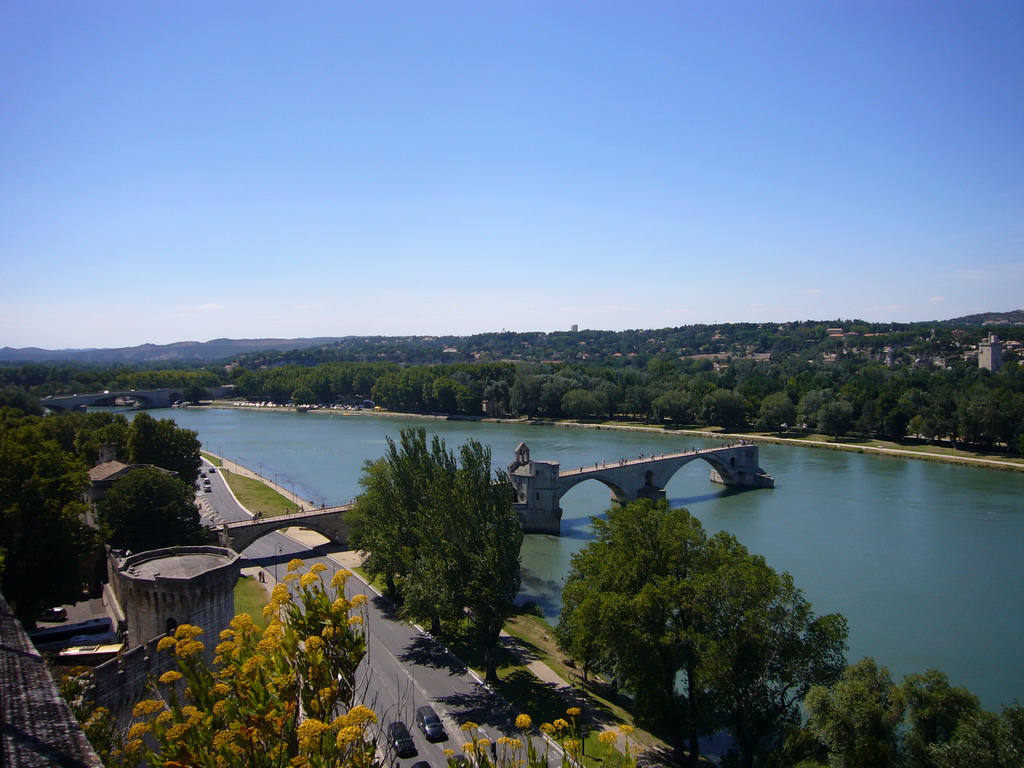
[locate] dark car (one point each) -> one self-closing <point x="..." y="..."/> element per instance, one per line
<point x="400" y="738"/>
<point x="428" y="722"/>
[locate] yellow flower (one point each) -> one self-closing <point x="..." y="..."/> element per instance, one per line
<point x="449" y="753"/>
<point x="340" y="578"/>
<point x="138" y="730"/>
<point x="187" y="631"/>
<point x="573" y="711"/>
<point x="353" y="620"/>
<point x="625" y="730"/>
<point x="340" y="605"/>
<point x="560" y="724"/>
<point x="483" y="743"/>
<point x="176" y="731"/>
<point x="547" y="729"/>
<point x="295" y="563"/>
<point x="164" y="716"/>
<point x="187" y="647"/>
<point x="469" y="725"/>
<point x="608" y="738"/>
<point x="171" y="676"/>
<point x="310" y="731"/>
<point x="358" y="600"/>
<point x="318" y="568"/>
<point x="314" y="642"/>
<point x="147" y="707"/>
<point x="361" y="715"/>
<point x="572" y="746"/>
<point x="469" y="747"/>
<point x="348" y="735"/>
<point x="221" y="739"/>
<point x="166" y="642"/>
<point x="308" y="579"/>
<point x="220" y="689"/>
<point x="523" y="722"/>
<point x="220" y="708"/>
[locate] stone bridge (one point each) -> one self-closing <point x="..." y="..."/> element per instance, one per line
<point x="328" y="521"/>
<point x="163" y="397"/>
<point x="540" y="485"/>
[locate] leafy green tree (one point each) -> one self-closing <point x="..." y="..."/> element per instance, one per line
<point x="632" y="605"/>
<point x="984" y="740"/>
<point x="724" y="408"/>
<point x="764" y="648"/>
<point x="652" y="601"/>
<point x="858" y="719"/>
<point x="674" y="405"/>
<point x="148" y="509"/>
<point x="442" y="533"/>
<point x="194" y="393"/>
<point x="935" y="709"/>
<point x="18" y="398"/>
<point x="835" y="417"/>
<point x="42" y="539"/>
<point x="776" y="409"/>
<point x="811" y="404"/>
<point x="304" y="395"/>
<point x="581" y="404"/>
<point x="163" y="444"/>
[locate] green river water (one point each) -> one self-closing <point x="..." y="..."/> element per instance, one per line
<point x="922" y="558"/>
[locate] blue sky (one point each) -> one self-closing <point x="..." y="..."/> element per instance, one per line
<point x="192" y="170"/>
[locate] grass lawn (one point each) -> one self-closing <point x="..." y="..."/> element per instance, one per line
<point x="212" y="459"/>
<point x="257" y="496"/>
<point x="250" y="597"/>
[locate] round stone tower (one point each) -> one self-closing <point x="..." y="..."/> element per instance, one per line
<point x="162" y="588"/>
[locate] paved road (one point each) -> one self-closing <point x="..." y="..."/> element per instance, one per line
<point x="404" y="667"/>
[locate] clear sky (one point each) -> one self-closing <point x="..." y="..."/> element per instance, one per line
<point x="191" y="170"/>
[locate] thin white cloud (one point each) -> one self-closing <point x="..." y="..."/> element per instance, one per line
<point x="937" y="299"/>
<point x="813" y="290"/>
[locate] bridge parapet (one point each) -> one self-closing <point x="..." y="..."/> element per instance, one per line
<point x="328" y="521"/>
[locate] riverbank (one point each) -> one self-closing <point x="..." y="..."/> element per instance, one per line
<point x="876" y="447"/>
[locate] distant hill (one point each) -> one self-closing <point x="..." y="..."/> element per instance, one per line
<point x="989" y="318"/>
<point x="533" y="346"/>
<point x="194" y="351"/>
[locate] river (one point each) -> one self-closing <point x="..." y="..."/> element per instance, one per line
<point x="922" y="558"/>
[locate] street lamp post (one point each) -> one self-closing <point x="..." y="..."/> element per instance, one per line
<point x="276" y="562"/>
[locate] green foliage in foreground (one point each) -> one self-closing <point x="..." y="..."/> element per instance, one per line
<point x="270" y="697"/>
<point x="652" y="598"/>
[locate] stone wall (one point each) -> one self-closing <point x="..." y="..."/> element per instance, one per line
<point x="38" y="727"/>
<point x="119" y="683"/>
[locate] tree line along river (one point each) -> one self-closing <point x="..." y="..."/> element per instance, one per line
<point x="924" y="559"/>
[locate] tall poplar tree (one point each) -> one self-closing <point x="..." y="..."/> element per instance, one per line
<point x="442" y="532"/>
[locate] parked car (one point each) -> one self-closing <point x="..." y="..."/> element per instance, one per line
<point x="400" y="738"/>
<point x="428" y="722"/>
<point x="54" y="614"/>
